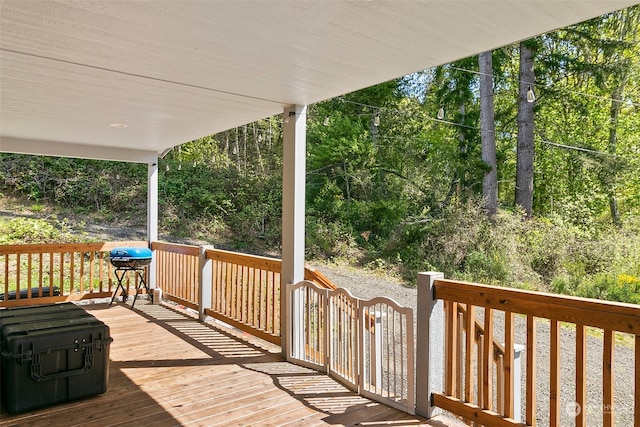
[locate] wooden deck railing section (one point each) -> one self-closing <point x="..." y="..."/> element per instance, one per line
<point x="244" y="289"/>
<point x="178" y="272"/>
<point x="48" y="273"/>
<point x="476" y="393"/>
<point x="245" y="292"/>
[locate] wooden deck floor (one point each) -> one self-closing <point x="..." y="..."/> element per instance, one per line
<point x="169" y="370"/>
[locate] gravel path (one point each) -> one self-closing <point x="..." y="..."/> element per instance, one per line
<point x="366" y="286"/>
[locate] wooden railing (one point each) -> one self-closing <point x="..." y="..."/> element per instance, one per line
<point x="178" y="272"/>
<point x="245" y="292"/>
<point x="491" y="401"/>
<point x="48" y="273"/>
<point x="244" y="289"/>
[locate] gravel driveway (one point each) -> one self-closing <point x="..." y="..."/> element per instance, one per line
<point x="366" y="286"/>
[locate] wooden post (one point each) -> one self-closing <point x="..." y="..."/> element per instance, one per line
<point x="429" y="345"/>
<point x="293" y="203"/>
<point x="205" y="282"/>
<point x="152" y="217"/>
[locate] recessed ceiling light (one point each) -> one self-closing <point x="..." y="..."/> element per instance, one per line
<point x="118" y="125"/>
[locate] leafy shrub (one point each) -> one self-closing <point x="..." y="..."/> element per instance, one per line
<point x="25" y="231"/>
<point x="329" y="240"/>
<point x="490" y="267"/>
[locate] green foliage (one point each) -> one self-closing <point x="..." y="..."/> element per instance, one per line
<point x="332" y="241"/>
<point x="26" y="230"/>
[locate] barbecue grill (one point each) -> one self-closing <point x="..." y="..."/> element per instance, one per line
<point x="130" y="259"/>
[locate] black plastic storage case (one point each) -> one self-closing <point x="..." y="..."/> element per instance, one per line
<point x="51" y="354"/>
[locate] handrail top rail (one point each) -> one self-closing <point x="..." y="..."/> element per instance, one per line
<point x="30" y="248"/>
<point x="590" y="312"/>
<point x="175" y="248"/>
<point x="244" y="259"/>
<point x="589" y="303"/>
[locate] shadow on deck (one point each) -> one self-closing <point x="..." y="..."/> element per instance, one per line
<point x="167" y="369"/>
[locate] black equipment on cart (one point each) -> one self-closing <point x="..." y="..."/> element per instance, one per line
<point x="130" y="259"/>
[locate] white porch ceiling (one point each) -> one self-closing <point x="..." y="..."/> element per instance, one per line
<point x="174" y="71"/>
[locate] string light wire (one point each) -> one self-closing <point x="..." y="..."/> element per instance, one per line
<point x="588" y="95"/>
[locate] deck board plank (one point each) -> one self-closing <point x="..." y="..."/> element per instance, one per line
<point x="169" y="370"/>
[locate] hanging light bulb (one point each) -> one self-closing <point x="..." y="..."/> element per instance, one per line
<point x="259" y="137"/>
<point x="440" y="115"/>
<point x="195" y="164"/>
<point x="376" y="120"/>
<point x="531" y="97"/>
<point x="326" y="121"/>
<point x="180" y="166"/>
<point x="168" y="167"/>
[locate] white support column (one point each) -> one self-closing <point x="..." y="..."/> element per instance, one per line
<point x="205" y="283"/>
<point x="429" y="345"/>
<point x="293" y="204"/>
<point x="152" y="216"/>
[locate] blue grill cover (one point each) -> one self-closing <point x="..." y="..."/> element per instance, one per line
<point x="126" y="254"/>
<point x="130" y="257"/>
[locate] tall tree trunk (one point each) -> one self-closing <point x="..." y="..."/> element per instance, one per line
<point x="236" y="149"/>
<point x="245" y="137"/>
<point x="525" y="149"/>
<point x="616" y="103"/>
<point x="257" y="139"/>
<point x="629" y="23"/>
<point x="226" y="149"/>
<point x="487" y="132"/>
<point x="462" y="144"/>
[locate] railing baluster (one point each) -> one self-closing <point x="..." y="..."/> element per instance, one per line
<point x="451" y="349"/>
<point x="29" y="266"/>
<point x="62" y="269"/>
<point x="581" y="375"/>
<point x="91" y="272"/>
<point x="607" y="378"/>
<point x="530" y="417"/>
<point x="18" y="276"/>
<point x="487" y="374"/>
<point x="72" y="271"/>
<point x="636" y="398"/>
<point x="40" y="260"/>
<point x="480" y="382"/>
<point x="500" y="384"/>
<point x="460" y="346"/>
<point x="81" y="275"/>
<point x="51" y="262"/>
<point x="554" y="380"/>
<point x="469" y="364"/>
<point x="6" y="276"/>
<point x="508" y="364"/>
